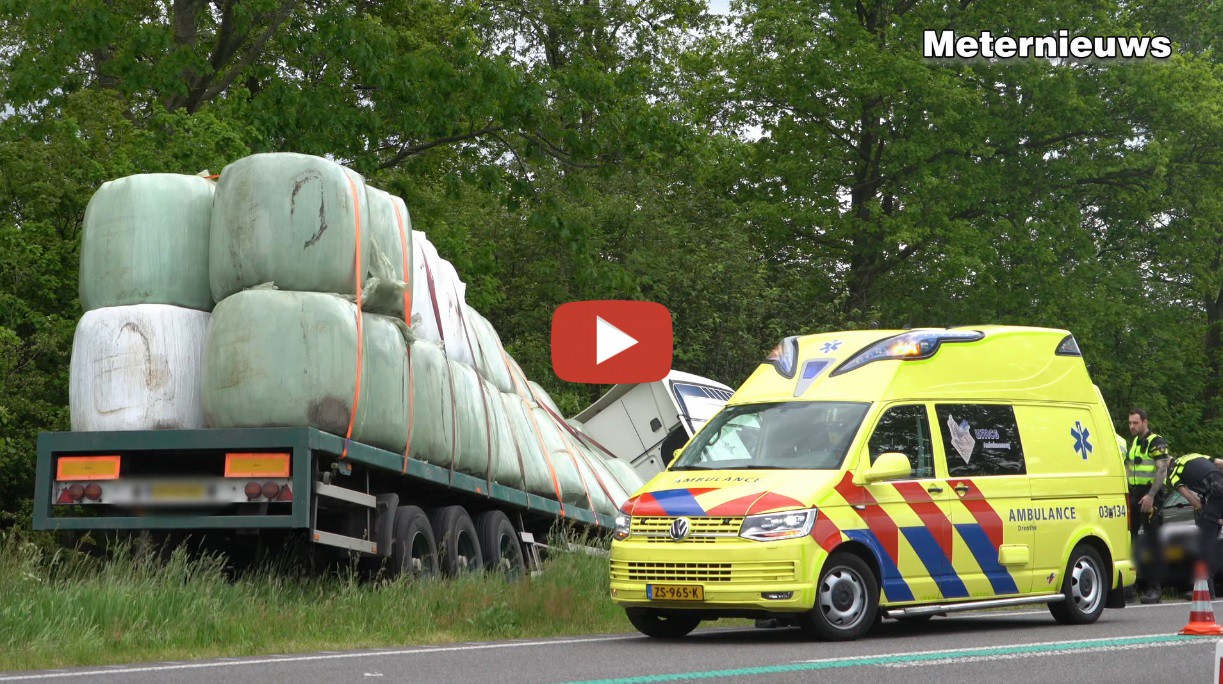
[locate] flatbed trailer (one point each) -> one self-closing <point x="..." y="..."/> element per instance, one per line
<point x="342" y="494"/>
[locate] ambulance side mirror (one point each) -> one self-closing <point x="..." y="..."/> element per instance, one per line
<point x="891" y="465"/>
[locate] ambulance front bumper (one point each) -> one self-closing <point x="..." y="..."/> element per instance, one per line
<point x="742" y="575"/>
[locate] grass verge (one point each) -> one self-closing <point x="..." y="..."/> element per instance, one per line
<point x="62" y="609"/>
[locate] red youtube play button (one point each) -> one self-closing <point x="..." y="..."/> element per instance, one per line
<point x="609" y="342"/>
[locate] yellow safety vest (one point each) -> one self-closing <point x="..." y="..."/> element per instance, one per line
<point x="1139" y="464"/>
<point x="1178" y="468"/>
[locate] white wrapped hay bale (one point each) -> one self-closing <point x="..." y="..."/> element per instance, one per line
<point x="145" y="241"/>
<point x="425" y="307"/>
<point x="490" y="359"/>
<point x="288" y="219"/>
<point x="460" y="339"/>
<point x="137" y="368"/>
<point x="540" y="395"/>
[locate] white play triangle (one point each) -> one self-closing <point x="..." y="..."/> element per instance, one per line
<point x="610" y="340"/>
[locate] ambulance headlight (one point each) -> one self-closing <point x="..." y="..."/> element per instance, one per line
<point x="624" y="523"/>
<point x="775" y="526"/>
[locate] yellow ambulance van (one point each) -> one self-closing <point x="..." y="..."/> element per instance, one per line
<point x="900" y="474"/>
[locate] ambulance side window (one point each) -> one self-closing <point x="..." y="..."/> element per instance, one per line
<point x="905" y="429"/>
<point x="980" y="439"/>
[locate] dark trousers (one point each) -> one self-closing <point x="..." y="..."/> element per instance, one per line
<point x="1148" y="549"/>
<point x="1207" y="521"/>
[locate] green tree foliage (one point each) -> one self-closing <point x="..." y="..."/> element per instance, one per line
<point x="1060" y="193"/>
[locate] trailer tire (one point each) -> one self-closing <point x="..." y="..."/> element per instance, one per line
<point x="413" y="548"/>
<point x="500" y="545"/>
<point x="458" y="546"/>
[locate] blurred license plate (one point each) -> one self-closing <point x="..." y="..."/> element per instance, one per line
<point x="675" y="592"/>
<point x="177" y="492"/>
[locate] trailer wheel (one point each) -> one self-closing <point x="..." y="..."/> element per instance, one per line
<point x="413" y="549"/>
<point x="499" y="544"/>
<point x="458" y="546"/>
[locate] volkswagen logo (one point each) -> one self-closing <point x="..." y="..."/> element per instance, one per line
<point x="680" y="527"/>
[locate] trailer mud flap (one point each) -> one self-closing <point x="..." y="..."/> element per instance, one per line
<point x="384" y="522"/>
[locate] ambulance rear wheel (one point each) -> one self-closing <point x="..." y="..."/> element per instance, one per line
<point x="1085" y="585"/>
<point x="846" y="600"/>
<point x="661" y="624"/>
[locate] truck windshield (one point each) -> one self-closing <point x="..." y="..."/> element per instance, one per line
<point x="807" y="435"/>
<point x="699" y="402"/>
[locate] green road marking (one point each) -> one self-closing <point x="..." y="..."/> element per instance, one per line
<point x="858" y="661"/>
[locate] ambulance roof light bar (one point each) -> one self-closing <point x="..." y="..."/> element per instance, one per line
<point x="910" y="346"/>
<point x="784" y="357"/>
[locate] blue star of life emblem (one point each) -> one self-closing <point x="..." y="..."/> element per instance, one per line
<point x="830" y="346"/>
<point x="1081" y="443"/>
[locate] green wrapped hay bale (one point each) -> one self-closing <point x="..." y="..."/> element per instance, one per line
<point x="561" y="459"/>
<point x="506" y="468"/>
<point x="145" y="241"/>
<point x="600" y="498"/>
<point x="288" y="219"/>
<point x="625" y="474"/>
<point x="473" y="452"/>
<point x="614" y="489"/>
<point x="274" y="358"/>
<point x="390" y="232"/>
<point x="537" y="477"/>
<point x="432" y="408"/>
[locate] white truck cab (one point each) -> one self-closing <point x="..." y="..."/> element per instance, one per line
<point x="645" y="423"/>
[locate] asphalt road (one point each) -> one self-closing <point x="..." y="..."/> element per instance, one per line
<point x="1136" y="644"/>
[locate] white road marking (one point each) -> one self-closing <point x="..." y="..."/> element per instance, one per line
<point x="113" y="669"/>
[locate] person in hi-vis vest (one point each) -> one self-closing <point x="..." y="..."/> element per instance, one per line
<point x="1198" y="478"/>
<point x="1146" y="466"/>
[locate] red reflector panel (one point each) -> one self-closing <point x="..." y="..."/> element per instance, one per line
<point x="87" y="468"/>
<point x="257" y="465"/>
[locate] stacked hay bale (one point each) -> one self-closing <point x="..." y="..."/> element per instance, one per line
<point x="331" y="312"/>
<point x="144" y="287"/>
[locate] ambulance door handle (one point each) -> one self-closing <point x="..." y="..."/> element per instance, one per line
<point x="934" y="489"/>
<point x="961" y="489"/>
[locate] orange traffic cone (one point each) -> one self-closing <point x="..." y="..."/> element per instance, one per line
<point x="1201" y="612"/>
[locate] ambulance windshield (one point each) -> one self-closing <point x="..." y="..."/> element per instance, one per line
<point x="808" y="435"/>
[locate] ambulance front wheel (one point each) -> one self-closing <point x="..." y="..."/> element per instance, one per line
<point x="1085" y="586"/>
<point x="846" y="600"/>
<point x="661" y="624"/>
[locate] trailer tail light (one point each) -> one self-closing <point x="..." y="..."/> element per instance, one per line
<point x="257" y="465"/>
<point x="253" y="490"/>
<point x="93" y="491"/>
<point x="87" y="468"/>
<point x="270" y="490"/>
<point x="71" y="494"/>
